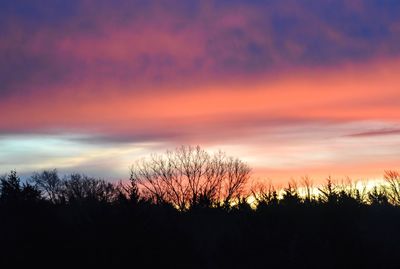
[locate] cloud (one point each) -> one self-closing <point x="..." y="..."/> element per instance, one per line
<point x="219" y="109"/>
<point x="202" y="72"/>
<point x="377" y="133"/>
<point x="147" y="44"/>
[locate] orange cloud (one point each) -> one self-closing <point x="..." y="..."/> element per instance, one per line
<point x="303" y="123"/>
<point x="352" y="94"/>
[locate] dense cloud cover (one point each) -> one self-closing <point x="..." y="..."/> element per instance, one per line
<point x="218" y="73"/>
<point x="46" y="44"/>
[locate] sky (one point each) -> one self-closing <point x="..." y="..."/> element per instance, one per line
<point x="292" y="87"/>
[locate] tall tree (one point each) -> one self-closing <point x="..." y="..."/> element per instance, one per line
<point x="189" y="176"/>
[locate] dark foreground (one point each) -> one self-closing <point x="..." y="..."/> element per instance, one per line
<point x="288" y="233"/>
<point x="302" y="236"/>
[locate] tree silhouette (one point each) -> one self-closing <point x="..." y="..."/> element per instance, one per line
<point x="13" y="192"/>
<point x="393" y="179"/>
<point x="378" y="196"/>
<point x="90" y="221"/>
<point x="79" y="188"/>
<point x="49" y="183"/>
<point x="291" y="196"/>
<point x="189" y="177"/>
<point x="265" y="196"/>
<point x="10" y="187"/>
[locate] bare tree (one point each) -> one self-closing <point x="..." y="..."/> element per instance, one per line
<point x="393" y="179"/>
<point x="307" y="184"/>
<point x="264" y="194"/>
<point x="78" y="187"/>
<point x="49" y="183"/>
<point x="190" y="176"/>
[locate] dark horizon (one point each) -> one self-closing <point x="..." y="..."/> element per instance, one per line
<point x="95" y="223"/>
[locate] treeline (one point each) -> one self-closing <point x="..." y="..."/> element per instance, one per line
<point x="49" y="188"/>
<point x="190" y="209"/>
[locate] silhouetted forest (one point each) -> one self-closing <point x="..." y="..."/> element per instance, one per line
<point x="191" y="209"/>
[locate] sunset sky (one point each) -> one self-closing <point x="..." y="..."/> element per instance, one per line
<point x="293" y="87"/>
